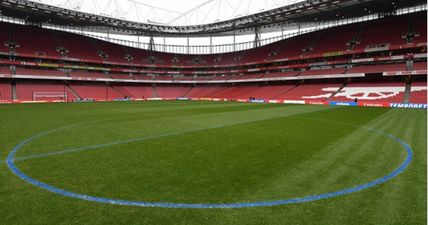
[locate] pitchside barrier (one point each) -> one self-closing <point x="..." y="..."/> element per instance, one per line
<point x="272" y="101"/>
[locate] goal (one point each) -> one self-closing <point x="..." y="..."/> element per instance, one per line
<point x="50" y="96"/>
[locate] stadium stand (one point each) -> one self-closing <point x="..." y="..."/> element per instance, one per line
<point x="4" y="70"/>
<point x="4" y="37"/>
<point x="323" y="71"/>
<point x="378" y="68"/>
<point x="121" y="76"/>
<point x="419" y="92"/>
<point x="135" y="91"/>
<point x="354" y="49"/>
<point x="172" y="91"/>
<point x="281" y="74"/>
<point x="422" y="66"/>
<point x="96" y="91"/>
<point x="87" y="75"/>
<point x="5" y="91"/>
<point x="41" y="44"/>
<point x="372" y="92"/>
<point x="205" y="91"/>
<point x="310" y="92"/>
<point x="327" y="43"/>
<point x="46" y="91"/>
<point x="39" y="72"/>
<point x="386" y="32"/>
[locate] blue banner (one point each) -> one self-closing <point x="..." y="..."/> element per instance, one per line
<point x="344" y="103"/>
<point x="408" y="105"/>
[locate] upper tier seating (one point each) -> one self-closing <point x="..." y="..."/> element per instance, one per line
<point x="294" y="46"/>
<point x="223" y="77"/>
<point x="247" y="77"/>
<point x="420" y="66"/>
<point x="110" y="52"/>
<point x="378" y="68"/>
<point x="4" y="37"/>
<point x="37" y="41"/>
<point x="4" y="70"/>
<point x="281" y="74"/>
<point x="323" y="72"/>
<point x="387" y="31"/>
<point x="165" y="78"/>
<point x="42" y="44"/>
<point x="86" y="75"/>
<point x="38" y="72"/>
<point x="185" y="78"/>
<point x="142" y="77"/>
<point x="203" y="78"/>
<point x="120" y="76"/>
<point x="80" y="47"/>
<point x="334" y="43"/>
<point x="420" y="29"/>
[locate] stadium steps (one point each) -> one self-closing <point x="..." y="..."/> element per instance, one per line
<point x="356" y="39"/>
<point x="188" y="91"/>
<point x="12" y="39"/>
<point x="409" y="36"/>
<point x="100" y="52"/>
<point x="339" y="90"/>
<point x="58" y="43"/>
<point x="407" y="92"/>
<point x="14" y="93"/>
<point x="311" y="46"/>
<point x="155" y="91"/>
<point x="72" y="91"/>
<point x="121" y="91"/>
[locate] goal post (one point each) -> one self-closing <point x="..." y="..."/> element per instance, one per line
<point x="52" y="96"/>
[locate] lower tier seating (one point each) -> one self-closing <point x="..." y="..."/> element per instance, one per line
<point x="30" y="91"/>
<point x="172" y="91"/>
<point x="419" y="92"/>
<point x="99" y="92"/>
<point x="380" y="91"/>
<point x="5" y="91"/>
<point x="372" y="92"/>
<point x="311" y="92"/>
<point x="135" y="91"/>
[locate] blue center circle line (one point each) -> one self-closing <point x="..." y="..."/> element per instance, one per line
<point x="11" y="165"/>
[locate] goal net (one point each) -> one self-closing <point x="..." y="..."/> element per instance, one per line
<point x="50" y="96"/>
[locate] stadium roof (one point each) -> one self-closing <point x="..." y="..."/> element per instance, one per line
<point x="267" y="20"/>
<point x="171" y="12"/>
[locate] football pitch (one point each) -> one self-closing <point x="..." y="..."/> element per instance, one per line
<point x="188" y="162"/>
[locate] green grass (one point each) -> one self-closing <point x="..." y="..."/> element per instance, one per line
<point x="208" y="152"/>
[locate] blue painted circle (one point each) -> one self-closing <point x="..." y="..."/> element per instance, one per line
<point x="309" y="198"/>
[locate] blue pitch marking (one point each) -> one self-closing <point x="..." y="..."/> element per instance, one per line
<point x="396" y="172"/>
